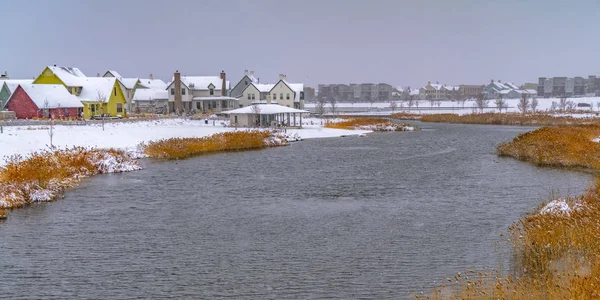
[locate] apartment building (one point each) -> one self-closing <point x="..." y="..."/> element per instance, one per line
<point x="354" y="92"/>
<point x="567" y="87"/>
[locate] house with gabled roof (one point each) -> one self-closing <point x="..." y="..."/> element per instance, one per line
<point x="288" y="94"/>
<point x="7" y="87"/>
<point x="99" y="95"/>
<point x="248" y="78"/>
<point x="255" y="93"/>
<point x="128" y="85"/>
<point x="43" y="100"/>
<point x="193" y="94"/>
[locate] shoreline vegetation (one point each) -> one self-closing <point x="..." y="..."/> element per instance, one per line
<point x="372" y="124"/>
<point x="179" y="148"/>
<point x="556" y="248"/>
<point x="511" y="119"/>
<point x="45" y="176"/>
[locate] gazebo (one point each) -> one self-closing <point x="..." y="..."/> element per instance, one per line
<point x="260" y="115"/>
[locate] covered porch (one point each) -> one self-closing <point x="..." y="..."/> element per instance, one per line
<point x="266" y="115"/>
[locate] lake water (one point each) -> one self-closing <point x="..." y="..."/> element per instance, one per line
<point x="345" y="218"/>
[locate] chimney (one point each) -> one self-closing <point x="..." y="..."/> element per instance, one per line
<point x="177" y="81"/>
<point x="437" y="82"/>
<point x="428" y="82"/>
<point x="224" y="83"/>
<point x="500" y="81"/>
<point x="98" y="75"/>
<point x="55" y="65"/>
<point x="251" y="73"/>
<point x="258" y="80"/>
<point x="282" y="77"/>
<point x="492" y="81"/>
<point x="151" y="77"/>
<point x="246" y="72"/>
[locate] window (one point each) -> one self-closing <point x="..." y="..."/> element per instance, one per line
<point x="249" y="97"/>
<point x="281" y="96"/>
<point x="287" y="96"/>
<point x="301" y="95"/>
<point x="212" y="91"/>
<point x="246" y="82"/>
<point x="172" y="91"/>
<point x="197" y="105"/>
<point x="119" y="107"/>
<point x="253" y="96"/>
<point x="183" y="91"/>
<point x="115" y="90"/>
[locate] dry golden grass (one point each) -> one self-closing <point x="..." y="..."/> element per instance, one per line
<point x="178" y="148"/>
<point x="2" y="214"/>
<point x="514" y="119"/>
<point x="43" y="176"/>
<point x="406" y="116"/>
<point x="374" y="124"/>
<point x="563" y="146"/>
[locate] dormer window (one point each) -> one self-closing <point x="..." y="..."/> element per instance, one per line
<point x="211" y="91"/>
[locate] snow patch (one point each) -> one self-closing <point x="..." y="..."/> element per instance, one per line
<point x="560" y="207"/>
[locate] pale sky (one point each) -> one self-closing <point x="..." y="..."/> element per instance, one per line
<point x="401" y="42"/>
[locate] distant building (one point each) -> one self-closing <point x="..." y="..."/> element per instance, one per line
<point x="309" y="94"/>
<point x="437" y="91"/>
<point x="466" y="91"/>
<point x="4" y="76"/>
<point x="367" y="92"/>
<point x="498" y="88"/>
<point x="567" y="87"/>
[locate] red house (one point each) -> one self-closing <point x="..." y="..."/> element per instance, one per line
<point x="43" y="100"/>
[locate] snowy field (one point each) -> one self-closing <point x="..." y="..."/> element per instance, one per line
<point x="455" y="107"/>
<point x="127" y="136"/>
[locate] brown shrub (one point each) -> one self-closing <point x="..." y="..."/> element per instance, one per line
<point x="177" y="148"/>
<point x="514" y="119"/>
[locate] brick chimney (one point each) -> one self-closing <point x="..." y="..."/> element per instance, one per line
<point x="223" y="84"/>
<point x="177" y="82"/>
<point x="151" y="77"/>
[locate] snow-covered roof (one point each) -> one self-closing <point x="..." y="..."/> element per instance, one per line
<point x="56" y="95"/>
<point x="201" y="82"/>
<point x="414" y="92"/>
<point x="150" y="94"/>
<point x="68" y="75"/>
<point x="265" y="109"/>
<point x="451" y="87"/>
<point x="128" y="83"/>
<point x="97" y="88"/>
<point x="213" y="98"/>
<point x="297" y="88"/>
<point x="153" y="83"/>
<point x="12" y="84"/>
<point x="264" y="87"/>
<point x="399" y="89"/>
<point x="436" y="86"/>
<point x="511" y="85"/>
<point x="531" y="92"/>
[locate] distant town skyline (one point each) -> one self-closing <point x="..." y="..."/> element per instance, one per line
<point x="406" y="43"/>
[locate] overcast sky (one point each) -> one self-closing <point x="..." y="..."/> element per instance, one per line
<point x="401" y="42"/>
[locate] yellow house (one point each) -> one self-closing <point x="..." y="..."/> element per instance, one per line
<point x="99" y="95"/>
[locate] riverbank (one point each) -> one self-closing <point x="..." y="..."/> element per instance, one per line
<point x="557" y="246"/>
<point x="127" y="136"/>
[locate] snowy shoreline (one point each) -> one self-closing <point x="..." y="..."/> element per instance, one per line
<point x="24" y="140"/>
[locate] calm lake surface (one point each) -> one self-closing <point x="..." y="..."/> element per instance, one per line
<point x="346" y="218"/>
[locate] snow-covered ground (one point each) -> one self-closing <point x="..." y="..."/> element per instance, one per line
<point x="127" y="136"/>
<point x="455" y="107"/>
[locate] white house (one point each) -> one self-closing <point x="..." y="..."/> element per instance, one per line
<point x="200" y="94"/>
<point x="288" y="94"/>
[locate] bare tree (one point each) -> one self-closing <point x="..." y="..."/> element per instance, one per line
<point x="462" y="101"/>
<point x="500" y="103"/>
<point x="481" y="103"/>
<point x="333" y="103"/>
<point x="417" y="102"/>
<point x="101" y="97"/>
<point x="570" y="106"/>
<point x="553" y="107"/>
<point x="320" y="107"/>
<point x="411" y="102"/>
<point x="562" y="105"/>
<point x="401" y="105"/>
<point x="393" y="105"/>
<point x="439" y="103"/>
<point x="524" y="104"/>
<point x="256" y="111"/>
<point x="51" y="128"/>
<point x="534" y="104"/>
<point x="432" y="102"/>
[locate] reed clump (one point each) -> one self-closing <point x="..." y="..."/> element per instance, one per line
<point x="514" y="119"/>
<point x="563" y="146"/>
<point x="178" y="148"/>
<point x="406" y="116"/>
<point x="374" y="124"/>
<point x="43" y="176"/>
